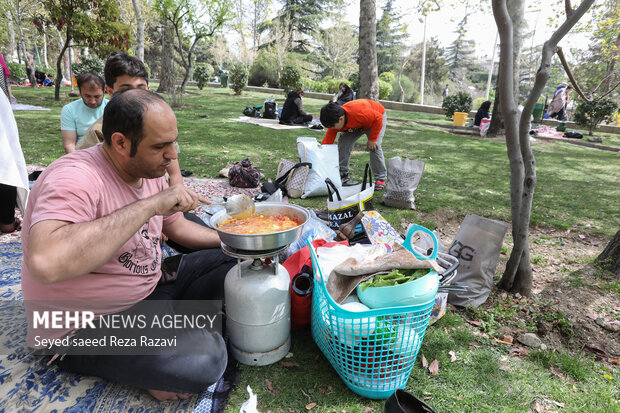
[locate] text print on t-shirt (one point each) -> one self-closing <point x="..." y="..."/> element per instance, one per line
<point x="146" y="249"/>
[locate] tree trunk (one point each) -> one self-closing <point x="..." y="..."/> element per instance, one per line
<point x="45" y="47"/>
<point x="369" y="77"/>
<point x="139" y="30"/>
<point x="189" y="64"/>
<point x="166" y="74"/>
<point x="610" y="257"/>
<point x="27" y="60"/>
<point x="59" y="76"/>
<point x="518" y="274"/>
<point x="65" y="73"/>
<point x="497" y="120"/>
<point x="11" y="49"/>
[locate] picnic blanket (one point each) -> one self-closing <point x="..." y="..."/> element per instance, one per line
<point x="547" y="132"/>
<point x="268" y="123"/>
<point x="21" y="106"/>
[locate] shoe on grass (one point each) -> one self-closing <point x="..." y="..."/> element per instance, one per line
<point x="346" y="181"/>
<point x="379" y="185"/>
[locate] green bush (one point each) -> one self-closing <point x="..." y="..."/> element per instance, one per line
<point x="333" y="85"/>
<point x="290" y="79"/>
<point x="202" y="74"/>
<point x="590" y="114"/>
<point x="48" y="70"/>
<point x="477" y="103"/>
<point x="408" y="86"/>
<point x="314" y="85"/>
<point x="18" y="71"/>
<point x="387" y="77"/>
<point x="89" y="63"/>
<point x="385" y="89"/>
<point x="238" y="78"/>
<point x="459" y="102"/>
<point x="354" y="81"/>
<point x="264" y="70"/>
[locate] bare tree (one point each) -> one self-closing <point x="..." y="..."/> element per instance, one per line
<point x="139" y="30"/>
<point x="369" y="78"/>
<point x="338" y="46"/>
<point x="281" y="39"/>
<point x="518" y="274"/>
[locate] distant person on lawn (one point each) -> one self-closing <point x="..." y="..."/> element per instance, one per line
<point x="293" y="112"/>
<point x="345" y="94"/>
<point x="77" y="116"/>
<point x="352" y="120"/>
<point x="122" y="72"/>
<point x="483" y="112"/>
<point x="92" y="242"/>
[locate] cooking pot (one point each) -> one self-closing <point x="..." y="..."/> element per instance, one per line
<point x="262" y="242"/>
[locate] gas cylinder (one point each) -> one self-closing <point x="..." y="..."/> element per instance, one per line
<point x="258" y="311"/>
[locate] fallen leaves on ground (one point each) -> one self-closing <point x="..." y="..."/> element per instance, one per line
<point x="452" y="356"/>
<point x="557" y="372"/>
<point x="289" y="364"/>
<point x="269" y="385"/>
<point x="434" y="367"/>
<point x="424" y="361"/>
<point x="310" y="406"/>
<point x="368" y="409"/>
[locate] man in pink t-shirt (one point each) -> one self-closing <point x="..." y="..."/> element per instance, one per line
<point x="91" y="241"/>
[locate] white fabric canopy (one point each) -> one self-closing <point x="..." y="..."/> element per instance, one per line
<point x="12" y="164"/>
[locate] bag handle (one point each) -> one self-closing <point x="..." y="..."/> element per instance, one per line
<point x="367" y="176"/>
<point x="284" y="177"/>
<point x="333" y="186"/>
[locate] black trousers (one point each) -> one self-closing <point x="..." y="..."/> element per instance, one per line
<point x="200" y="277"/>
<point x="8" y="198"/>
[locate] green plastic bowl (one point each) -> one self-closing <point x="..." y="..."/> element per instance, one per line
<point x="417" y="292"/>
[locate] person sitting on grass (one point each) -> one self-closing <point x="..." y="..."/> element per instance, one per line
<point x="123" y="72"/>
<point x="345" y="94"/>
<point x="77" y="116"/>
<point x="293" y="112"/>
<point x="93" y="229"/>
<point x="352" y="120"/>
<point x="483" y="112"/>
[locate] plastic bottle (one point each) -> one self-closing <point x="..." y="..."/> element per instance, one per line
<point x="302" y="285"/>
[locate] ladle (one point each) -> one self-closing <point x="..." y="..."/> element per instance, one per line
<point x="238" y="206"/>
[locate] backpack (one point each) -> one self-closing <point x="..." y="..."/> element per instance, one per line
<point x="244" y="175"/>
<point x="573" y="134"/>
<point x="270" y="109"/>
<point x="249" y="111"/>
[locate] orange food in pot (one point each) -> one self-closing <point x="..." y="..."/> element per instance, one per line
<point x="259" y="224"/>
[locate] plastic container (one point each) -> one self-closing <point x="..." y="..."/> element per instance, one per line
<point x="418" y="292"/>
<point x="538" y="111"/>
<point x="372" y="351"/>
<point x="460" y="119"/>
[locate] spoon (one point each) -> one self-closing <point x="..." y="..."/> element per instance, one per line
<point x="238" y="206"/>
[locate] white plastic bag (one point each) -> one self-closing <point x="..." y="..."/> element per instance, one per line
<point x="324" y="160"/>
<point x="251" y="404"/>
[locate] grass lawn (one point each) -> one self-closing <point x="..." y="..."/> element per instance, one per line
<point x="577" y="189"/>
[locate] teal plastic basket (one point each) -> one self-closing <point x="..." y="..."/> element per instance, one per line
<point x="372" y="351"/>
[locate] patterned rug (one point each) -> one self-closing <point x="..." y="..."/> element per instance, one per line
<point x="27" y="384"/>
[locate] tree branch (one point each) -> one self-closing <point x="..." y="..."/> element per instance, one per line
<point x="568" y="8"/>
<point x="570" y="74"/>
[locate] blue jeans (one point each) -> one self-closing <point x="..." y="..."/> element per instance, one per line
<point x="200" y="276"/>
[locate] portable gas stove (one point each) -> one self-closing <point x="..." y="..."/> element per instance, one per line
<point x="257" y="289"/>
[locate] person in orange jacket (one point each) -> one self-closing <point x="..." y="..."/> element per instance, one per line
<point x="354" y="119"/>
